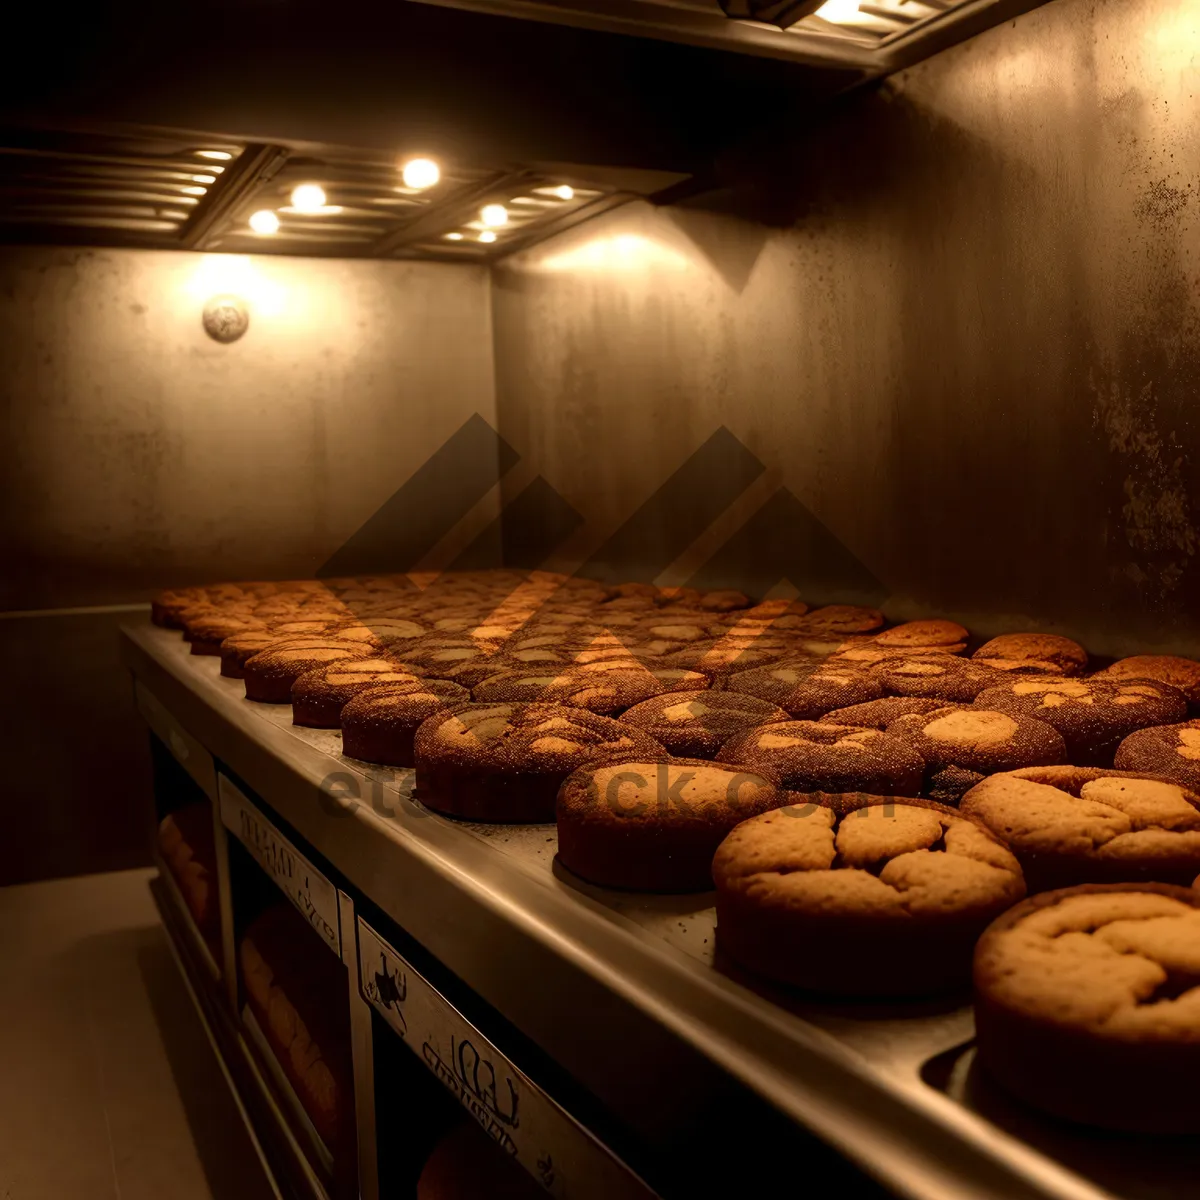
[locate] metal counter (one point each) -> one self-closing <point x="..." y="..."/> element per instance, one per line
<point x="624" y="992"/>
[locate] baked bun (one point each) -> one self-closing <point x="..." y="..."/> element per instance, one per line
<point x="943" y="677"/>
<point x="722" y="657"/>
<point x="654" y="826"/>
<point x="208" y="634"/>
<point x="833" y="619"/>
<point x="809" y="756"/>
<point x="1033" y="654"/>
<point x="696" y="724"/>
<point x="961" y="745"/>
<point x="237" y="649"/>
<point x="1171" y="751"/>
<point x="380" y="722"/>
<point x="187" y="846"/>
<point x="607" y="687"/>
<point x="1180" y="673"/>
<point x="807" y="689"/>
<point x="319" y="696"/>
<point x="879" y="714"/>
<point x="463" y="660"/>
<point x="269" y="675"/>
<point x="1093" y="715"/>
<point x="1086" y="1004"/>
<point x="947" y="636"/>
<point x="504" y="762"/>
<point x="1072" y="825"/>
<point x="861" y="895"/>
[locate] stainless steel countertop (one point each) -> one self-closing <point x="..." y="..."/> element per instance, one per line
<point x="607" y="982"/>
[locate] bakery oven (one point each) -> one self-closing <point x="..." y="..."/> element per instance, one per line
<point x="626" y="575"/>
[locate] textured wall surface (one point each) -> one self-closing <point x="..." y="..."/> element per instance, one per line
<point x="145" y="453"/>
<point x="965" y="337"/>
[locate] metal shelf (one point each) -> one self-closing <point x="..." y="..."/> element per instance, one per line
<point x="606" y="982"/>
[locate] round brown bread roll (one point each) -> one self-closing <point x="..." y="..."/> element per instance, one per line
<point x="607" y="687"/>
<point x="1180" y="673"/>
<point x="947" y="636"/>
<point x="943" y="677"/>
<point x="237" y="649"/>
<point x="380" y="722"/>
<point x="726" y="656"/>
<point x="318" y="696"/>
<point x="654" y="826"/>
<point x="805" y="688"/>
<point x="833" y="619"/>
<point x="1172" y="751"/>
<point x="393" y="633"/>
<point x="462" y="660"/>
<point x="696" y="724"/>
<point x="1093" y="715"/>
<point x="722" y="600"/>
<point x="504" y="762"/>
<point x="861" y="895"/>
<point x="467" y="1165"/>
<point x="808" y="756"/>
<point x="1033" y="654"/>
<point x="1072" y="825"/>
<point x="208" y="634"/>
<point x="879" y="714"/>
<point x="961" y="745"/>
<point x="1087" y="1005"/>
<point x="269" y="675"/>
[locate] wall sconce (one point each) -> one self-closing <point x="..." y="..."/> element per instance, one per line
<point x="226" y="318"/>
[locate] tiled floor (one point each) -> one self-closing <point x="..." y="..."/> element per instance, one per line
<point x="108" y="1085"/>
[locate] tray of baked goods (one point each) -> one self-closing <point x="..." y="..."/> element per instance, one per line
<point x="929" y="895"/>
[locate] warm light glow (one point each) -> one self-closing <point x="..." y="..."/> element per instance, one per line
<point x="308" y="197"/>
<point x="420" y="173"/>
<point x="565" y="192"/>
<point x="838" y="10"/>
<point x="216" y="155"/>
<point x="264" y="222"/>
<point x="236" y="275"/>
<point x="204" y="179"/>
<point x="494" y="214"/>
<point x="487" y="236"/>
<point x="193" y="191"/>
<point x="456" y="237"/>
<point x="624" y="252"/>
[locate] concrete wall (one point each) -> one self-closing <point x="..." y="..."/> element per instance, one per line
<point x="959" y="322"/>
<point x="142" y="454"/>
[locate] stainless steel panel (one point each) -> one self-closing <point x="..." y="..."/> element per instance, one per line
<point x="640" y="969"/>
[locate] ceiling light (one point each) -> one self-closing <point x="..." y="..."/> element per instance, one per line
<point x="308" y="197"/>
<point x="565" y="192"/>
<point x="193" y="191"/>
<point x="455" y="237"/>
<point x="420" y="173"/>
<point x="265" y="222"/>
<point x="494" y="214"/>
<point x="487" y="236"/>
<point x="838" y="10"/>
<point x="204" y="179"/>
<point x="217" y="155"/>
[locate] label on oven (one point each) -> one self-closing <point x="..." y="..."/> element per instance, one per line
<point x="305" y="886"/>
<point x="516" y="1114"/>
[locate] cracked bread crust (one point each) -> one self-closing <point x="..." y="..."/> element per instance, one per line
<point x="654" y="826"/>
<point x="504" y="762"/>
<point x="978" y="739"/>
<point x="1075" y="825"/>
<point x="861" y="895"/>
<point x="1033" y="654"/>
<point x="810" y="756"/>
<point x="1087" y="1005"/>
<point x="696" y="724"/>
<point x="1093" y="715"/>
<point x="807" y="689"/>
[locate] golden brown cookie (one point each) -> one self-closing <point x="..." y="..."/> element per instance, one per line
<point x="1087" y="1005"/>
<point x="807" y="688"/>
<point x="380" y="722"/>
<point x="1033" y="654"/>
<point x="879" y="714"/>
<point x="809" y="756"/>
<point x="318" y="696"/>
<point x="607" y="687"/>
<point x="1172" y="751"/>
<point x="270" y="673"/>
<point x="654" y="826"/>
<point x="861" y="895"/>
<point x="943" y="677"/>
<point x="1180" y="673"/>
<point x="696" y="724"/>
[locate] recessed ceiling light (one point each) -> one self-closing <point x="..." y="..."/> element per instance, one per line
<point x="204" y="179"/>
<point x="565" y="192"/>
<point x="420" y="173"/>
<point x="193" y="191"/>
<point x="454" y="237"/>
<point x="487" y="236"/>
<point x="216" y="155"/>
<point x="494" y="214"/>
<point x="308" y="197"/>
<point x="264" y="222"/>
<point x="838" y="10"/>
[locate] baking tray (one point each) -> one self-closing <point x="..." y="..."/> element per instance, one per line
<point x="894" y="1089"/>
